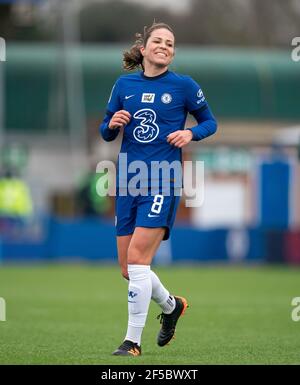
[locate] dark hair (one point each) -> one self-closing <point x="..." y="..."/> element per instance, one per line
<point x="133" y="58"/>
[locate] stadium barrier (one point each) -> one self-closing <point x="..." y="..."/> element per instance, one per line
<point x="275" y="246"/>
<point x="292" y="247"/>
<point x="93" y="239"/>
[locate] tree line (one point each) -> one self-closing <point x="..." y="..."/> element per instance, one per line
<point x="246" y="23"/>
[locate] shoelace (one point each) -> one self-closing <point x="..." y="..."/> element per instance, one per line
<point x="165" y="320"/>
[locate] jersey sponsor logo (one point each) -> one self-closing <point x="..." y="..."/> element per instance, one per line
<point x="128" y="96"/>
<point x="148" y="98"/>
<point x="152" y="215"/>
<point x="200" y="93"/>
<point x="201" y="96"/>
<point x="166" y="98"/>
<point x="147" y="130"/>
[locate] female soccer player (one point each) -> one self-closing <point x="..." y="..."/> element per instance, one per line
<point x="150" y="108"/>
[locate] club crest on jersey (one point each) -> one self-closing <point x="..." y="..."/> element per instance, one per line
<point x="147" y="129"/>
<point x="148" y="98"/>
<point x="166" y="98"/>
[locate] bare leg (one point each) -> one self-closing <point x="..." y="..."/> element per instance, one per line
<point x="123" y="244"/>
<point x="143" y="245"/>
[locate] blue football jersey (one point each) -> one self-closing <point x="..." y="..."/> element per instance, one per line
<point x="158" y="106"/>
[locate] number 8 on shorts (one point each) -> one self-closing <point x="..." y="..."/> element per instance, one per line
<point x="157" y="203"/>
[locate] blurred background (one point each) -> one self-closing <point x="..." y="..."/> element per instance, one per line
<point x="61" y="60"/>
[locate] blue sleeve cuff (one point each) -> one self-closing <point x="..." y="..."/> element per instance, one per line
<point x="107" y="134"/>
<point x="207" y="124"/>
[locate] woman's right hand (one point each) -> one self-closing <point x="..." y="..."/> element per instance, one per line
<point x="119" y="119"/>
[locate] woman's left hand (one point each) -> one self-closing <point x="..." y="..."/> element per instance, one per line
<point x="180" y="138"/>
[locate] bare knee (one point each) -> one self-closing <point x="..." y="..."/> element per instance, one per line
<point x="136" y="255"/>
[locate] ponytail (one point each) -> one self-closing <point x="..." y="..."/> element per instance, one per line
<point x="133" y="58"/>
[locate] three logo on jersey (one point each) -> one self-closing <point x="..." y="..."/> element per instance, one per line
<point x="148" y="130"/>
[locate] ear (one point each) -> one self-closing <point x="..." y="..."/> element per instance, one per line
<point x="142" y="50"/>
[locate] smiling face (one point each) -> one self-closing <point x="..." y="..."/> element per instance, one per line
<point x="159" y="50"/>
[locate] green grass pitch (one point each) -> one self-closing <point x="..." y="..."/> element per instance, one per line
<point x="77" y="314"/>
